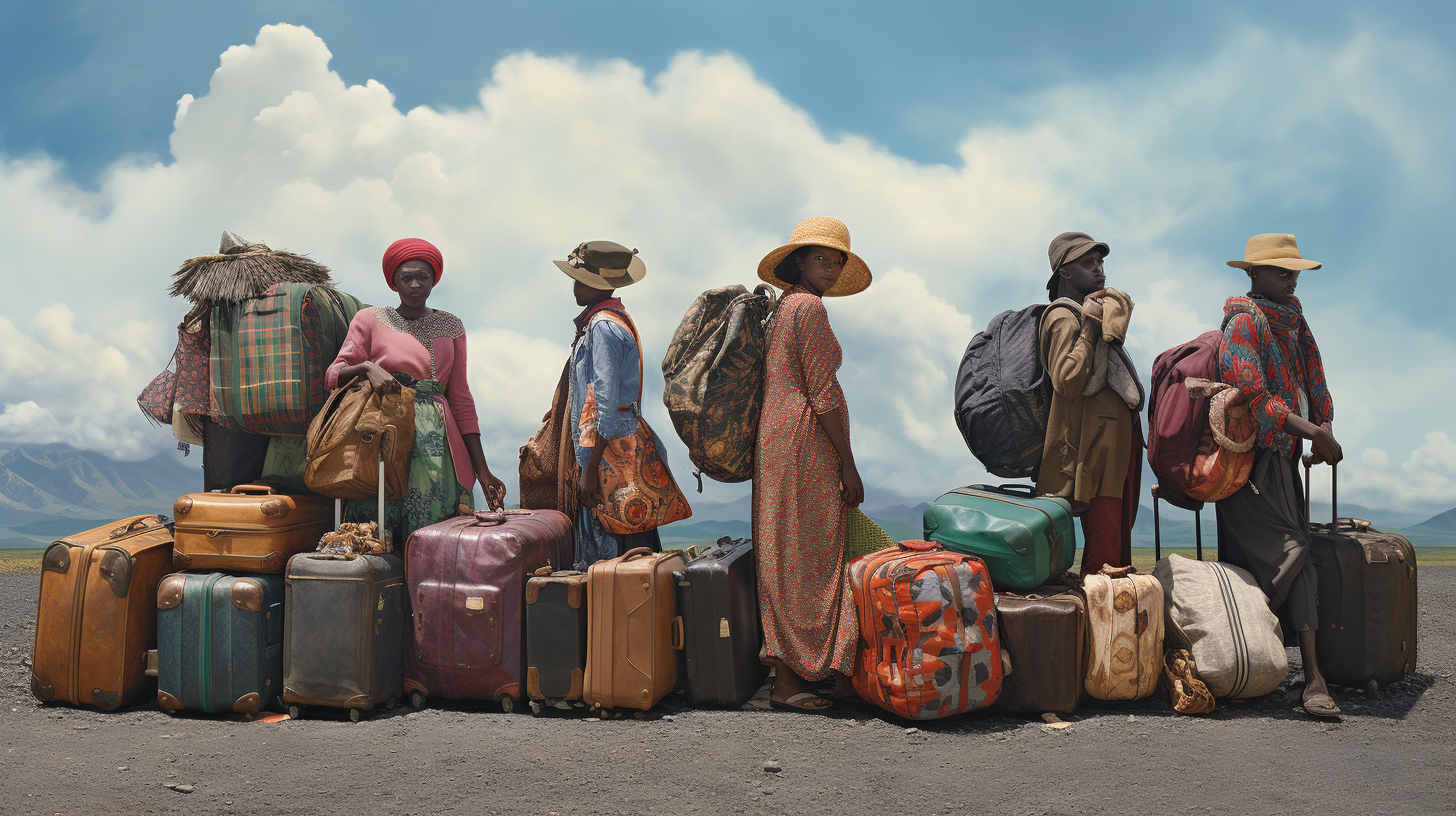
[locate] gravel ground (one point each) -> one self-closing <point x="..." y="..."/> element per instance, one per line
<point x="1395" y="755"/>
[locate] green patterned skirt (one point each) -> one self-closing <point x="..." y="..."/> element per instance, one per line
<point x="432" y="493"/>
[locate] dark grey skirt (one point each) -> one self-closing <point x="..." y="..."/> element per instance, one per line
<point x="1264" y="529"/>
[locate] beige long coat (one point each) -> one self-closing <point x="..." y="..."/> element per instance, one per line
<point x="1090" y="439"/>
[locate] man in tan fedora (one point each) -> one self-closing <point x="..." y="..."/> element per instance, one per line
<point x="1093" y="451"/>
<point x="1270" y="355"/>
<point x="605" y="378"/>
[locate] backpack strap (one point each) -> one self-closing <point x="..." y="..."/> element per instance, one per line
<point x="625" y="321"/>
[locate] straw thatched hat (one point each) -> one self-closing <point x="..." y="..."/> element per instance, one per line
<point x="603" y="265"/>
<point x="1273" y="249"/>
<point x="242" y="270"/>
<point x="825" y="232"/>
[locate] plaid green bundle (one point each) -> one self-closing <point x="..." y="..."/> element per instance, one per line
<point x="269" y="355"/>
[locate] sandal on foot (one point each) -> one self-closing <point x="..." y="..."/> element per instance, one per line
<point x="1321" y="705"/>
<point x="803" y="701"/>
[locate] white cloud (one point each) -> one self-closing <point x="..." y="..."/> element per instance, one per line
<point x="705" y="168"/>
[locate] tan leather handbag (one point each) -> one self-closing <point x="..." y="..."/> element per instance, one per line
<point x="357" y="425"/>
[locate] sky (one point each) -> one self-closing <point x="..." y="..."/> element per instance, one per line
<point x="954" y="139"/>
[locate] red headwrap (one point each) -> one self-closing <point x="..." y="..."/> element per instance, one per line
<point x="412" y="249"/>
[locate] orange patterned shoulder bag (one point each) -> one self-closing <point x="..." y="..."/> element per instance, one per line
<point x="638" y="491"/>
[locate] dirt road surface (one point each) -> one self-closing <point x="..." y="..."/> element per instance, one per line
<point x="1395" y="755"/>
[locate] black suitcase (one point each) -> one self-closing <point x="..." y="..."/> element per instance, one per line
<point x="344" y="634"/>
<point x="231" y="458"/>
<point x="718" y="598"/>
<point x="555" y="636"/>
<point x="1367" y="600"/>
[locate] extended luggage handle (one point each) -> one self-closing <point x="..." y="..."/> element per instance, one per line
<point x="1309" y="463"/>
<point x="1158" y="497"/>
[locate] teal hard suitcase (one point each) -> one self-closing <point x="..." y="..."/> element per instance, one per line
<point x="219" y="642"/>
<point x="1025" y="540"/>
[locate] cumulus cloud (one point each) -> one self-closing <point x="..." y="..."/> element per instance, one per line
<point x="704" y="168"/>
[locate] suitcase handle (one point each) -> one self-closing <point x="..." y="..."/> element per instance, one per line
<point x="635" y="553"/>
<point x="677" y="633"/>
<point x="919" y="546"/>
<point x="1308" y="461"/>
<point x="496" y="517"/>
<point x="1029" y="491"/>
<point x="252" y="489"/>
<point x="137" y="525"/>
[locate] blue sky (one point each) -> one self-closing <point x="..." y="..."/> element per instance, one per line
<point x="954" y="138"/>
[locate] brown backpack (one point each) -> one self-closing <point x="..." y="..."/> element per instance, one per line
<point x="357" y="425"/>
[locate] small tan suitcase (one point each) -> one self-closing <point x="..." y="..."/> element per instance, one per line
<point x="251" y="529"/>
<point x="634" y="630"/>
<point x="98" y="613"/>
<point x="1124" y="634"/>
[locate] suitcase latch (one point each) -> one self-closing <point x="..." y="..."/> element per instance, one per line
<point x="723" y="629"/>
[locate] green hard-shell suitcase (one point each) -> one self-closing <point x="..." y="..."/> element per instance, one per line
<point x="1025" y="540"/>
<point x="219" y="642"/>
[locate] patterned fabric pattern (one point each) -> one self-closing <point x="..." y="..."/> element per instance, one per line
<point x="713" y="379"/>
<point x="930" y="647"/>
<point x="432" y="493"/>
<point x="1274" y="374"/>
<point x="798" y="515"/>
<point x="184" y="387"/>
<point x="269" y="355"/>
<point x="437" y="325"/>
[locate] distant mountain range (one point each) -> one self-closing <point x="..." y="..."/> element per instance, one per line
<point x="53" y="490"/>
<point x="48" y="491"/>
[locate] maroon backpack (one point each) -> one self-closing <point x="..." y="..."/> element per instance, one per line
<point x="1177" y="420"/>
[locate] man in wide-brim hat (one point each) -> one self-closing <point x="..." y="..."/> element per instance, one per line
<point x="605" y="378"/>
<point x="1270" y="355"/>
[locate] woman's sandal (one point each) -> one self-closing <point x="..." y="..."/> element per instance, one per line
<point x="1321" y="705"/>
<point x="803" y="701"/>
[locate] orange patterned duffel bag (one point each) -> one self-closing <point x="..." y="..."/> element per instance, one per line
<point x="928" y="620"/>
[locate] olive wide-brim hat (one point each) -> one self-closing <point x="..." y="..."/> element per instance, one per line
<point x="603" y="265"/>
<point x="825" y="232"/>
<point x="1274" y="249"/>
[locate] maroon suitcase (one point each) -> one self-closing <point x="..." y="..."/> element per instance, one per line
<point x="467" y="577"/>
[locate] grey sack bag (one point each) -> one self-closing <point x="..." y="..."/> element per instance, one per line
<point x="1218" y="612"/>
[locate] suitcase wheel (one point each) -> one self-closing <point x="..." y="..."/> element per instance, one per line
<point x="536" y="708"/>
<point x="355" y="715"/>
<point x="417" y="699"/>
<point x="293" y="712"/>
<point x="1372" y="689"/>
<point x="391" y="703"/>
<point x="508" y="704"/>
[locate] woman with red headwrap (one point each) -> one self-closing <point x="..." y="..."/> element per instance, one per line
<point x="424" y="349"/>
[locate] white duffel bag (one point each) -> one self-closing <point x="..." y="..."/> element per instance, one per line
<point x="1218" y="612"/>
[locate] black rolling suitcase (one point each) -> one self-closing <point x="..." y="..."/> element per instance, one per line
<point x="718" y="597"/>
<point x="1367" y="600"/>
<point x="555" y="636"/>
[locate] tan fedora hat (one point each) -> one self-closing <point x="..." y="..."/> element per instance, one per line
<point x="603" y="265"/>
<point x="825" y="232"/>
<point x="1273" y="249"/>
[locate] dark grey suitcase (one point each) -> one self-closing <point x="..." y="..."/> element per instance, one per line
<point x="555" y="636"/>
<point x="343" y="642"/>
<point x="219" y="642"/>
<point x="718" y="598"/>
<point x="1367" y="600"/>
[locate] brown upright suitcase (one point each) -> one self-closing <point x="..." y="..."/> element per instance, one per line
<point x="1045" y="633"/>
<point x="251" y="529"/>
<point x="634" y="630"/>
<point x="98" y="613"/>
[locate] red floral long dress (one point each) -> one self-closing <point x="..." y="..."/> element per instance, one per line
<point x="804" y="598"/>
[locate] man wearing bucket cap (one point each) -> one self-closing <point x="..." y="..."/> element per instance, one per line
<point x="605" y="381"/>
<point x="1269" y="354"/>
<point x="1092" y="454"/>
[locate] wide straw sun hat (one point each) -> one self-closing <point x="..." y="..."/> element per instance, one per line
<point x="825" y="232"/>
<point x="1273" y="249"/>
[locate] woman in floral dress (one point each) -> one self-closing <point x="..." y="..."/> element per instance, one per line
<point x="424" y="349"/>
<point x="805" y="478"/>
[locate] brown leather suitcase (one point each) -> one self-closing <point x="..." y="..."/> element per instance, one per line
<point x="1045" y="633"/>
<point x="250" y="529"/>
<point x="98" y="613"/>
<point x="634" y="630"/>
